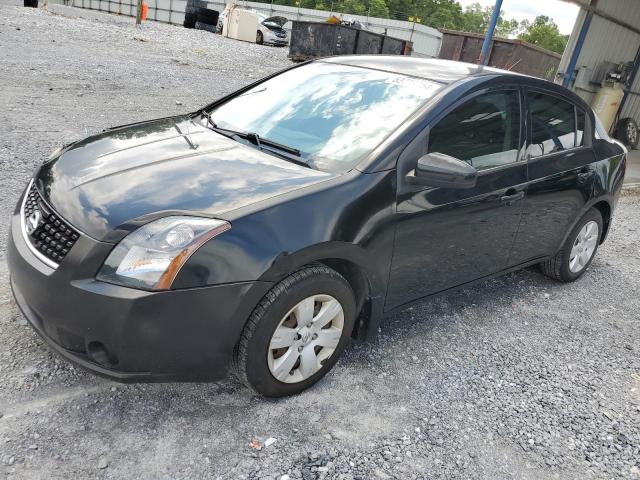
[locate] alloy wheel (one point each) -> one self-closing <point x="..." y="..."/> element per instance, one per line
<point x="584" y="246"/>
<point x="305" y="338"/>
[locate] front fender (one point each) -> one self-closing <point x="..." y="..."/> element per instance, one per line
<point x="351" y="219"/>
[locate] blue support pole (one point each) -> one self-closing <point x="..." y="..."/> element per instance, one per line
<point x="570" y="71"/>
<point x="486" y="46"/>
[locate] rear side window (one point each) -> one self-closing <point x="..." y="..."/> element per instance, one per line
<point x="553" y="124"/>
<point x="485" y="131"/>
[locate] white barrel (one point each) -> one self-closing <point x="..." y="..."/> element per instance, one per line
<point x="606" y="104"/>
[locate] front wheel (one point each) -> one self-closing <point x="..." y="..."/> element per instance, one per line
<point x="296" y="333"/>
<point x="578" y="250"/>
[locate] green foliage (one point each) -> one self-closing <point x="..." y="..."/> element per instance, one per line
<point x="476" y="20"/>
<point x="378" y="8"/>
<point x="544" y="33"/>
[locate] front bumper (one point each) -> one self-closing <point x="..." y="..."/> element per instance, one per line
<point x="272" y="38"/>
<point x="123" y="333"/>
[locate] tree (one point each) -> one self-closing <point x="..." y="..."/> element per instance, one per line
<point x="506" y="28"/>
<point x="400" y="9"/>
<point x="440" y="13"/>
<point x="544" y="33"/>
<point x="476" y="19"/>
<point x="378" y="8"/>
<point x="354" y="7"/>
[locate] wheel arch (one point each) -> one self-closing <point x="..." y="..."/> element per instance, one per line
<point x="361" y="286"/>
<point x="603" y="205"/>
<point x="605" y="210"/>
<point x="355" y="265"/>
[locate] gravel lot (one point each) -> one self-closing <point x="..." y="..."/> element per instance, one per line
<point x="518" y="378"/>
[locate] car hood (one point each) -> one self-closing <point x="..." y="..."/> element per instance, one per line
<point x="110" y="182"/>
<point x="280" y="21"/>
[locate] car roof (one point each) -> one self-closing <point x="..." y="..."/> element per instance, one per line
<point x="435" y="69"/>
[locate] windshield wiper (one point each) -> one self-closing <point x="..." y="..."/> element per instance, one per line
<point x="283" y="151"/>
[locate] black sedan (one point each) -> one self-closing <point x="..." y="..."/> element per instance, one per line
<point x="262" y="232"/>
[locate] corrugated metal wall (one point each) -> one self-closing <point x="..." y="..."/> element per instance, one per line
<point x="610" y="42"/>
<point x="426" y="40"/>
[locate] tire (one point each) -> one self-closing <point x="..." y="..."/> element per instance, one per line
<point x="259" y="38"/>
<point x="254" y="357"/>
<point x="627" y="132"/>
<point x="206" y="26"/>
<point x="560" y="267"/>
<point x="207" y="16"/>
<point x="190" y="20"/>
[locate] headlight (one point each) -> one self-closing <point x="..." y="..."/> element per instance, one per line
<point x="152" y="256"/>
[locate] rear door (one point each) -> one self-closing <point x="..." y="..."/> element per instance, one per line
<point x="560" y="154"/>
<point x="446" y="237"/>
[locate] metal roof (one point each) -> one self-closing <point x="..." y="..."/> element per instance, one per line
<point x="613" y="35"/>
<point x="620" y="12"/>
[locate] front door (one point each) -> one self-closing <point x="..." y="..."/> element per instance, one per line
<point x="446" y="237"/>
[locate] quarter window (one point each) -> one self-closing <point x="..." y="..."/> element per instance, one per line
<point x="580" y="116"/>
<point x="553" y="124"/>
<point x="485" y="131"/>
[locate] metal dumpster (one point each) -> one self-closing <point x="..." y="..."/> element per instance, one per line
<point x="514" y="55"/>
<point x="319" y="39"/>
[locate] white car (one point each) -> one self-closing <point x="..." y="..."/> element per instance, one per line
<point x="270" y="29"/>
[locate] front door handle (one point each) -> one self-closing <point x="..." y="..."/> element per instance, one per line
<point x="511" y="197"/>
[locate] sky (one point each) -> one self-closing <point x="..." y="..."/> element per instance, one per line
<point x="563" y="13"/>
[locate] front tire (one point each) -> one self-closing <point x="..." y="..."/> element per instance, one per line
<point x="578" y="251"/>
<point x="296" y="333"/>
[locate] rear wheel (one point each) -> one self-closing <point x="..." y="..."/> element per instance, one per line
<point x="578" y="250"/>
<point x="296" y="333"/>
<point x="259" y="38"/>
<point x="627" y="132"/>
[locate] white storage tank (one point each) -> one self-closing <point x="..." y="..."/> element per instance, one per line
<point x="240" y="24"/>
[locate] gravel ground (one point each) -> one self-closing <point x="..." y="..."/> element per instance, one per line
<point x="517" y="378"/>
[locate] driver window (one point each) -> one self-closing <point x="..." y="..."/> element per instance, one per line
<point x="485" y="131"/>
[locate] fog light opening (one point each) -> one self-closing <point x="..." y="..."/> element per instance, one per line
<point x="99" y="354"/>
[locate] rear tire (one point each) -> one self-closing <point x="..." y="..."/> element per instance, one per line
<point x="206" y="27"/>
<point x="578" y="250"/>
<point x="627" y="132"/>
<point x="190" y="20"/>
<point x="205" y="15"/>
<point x="258" y="358"/>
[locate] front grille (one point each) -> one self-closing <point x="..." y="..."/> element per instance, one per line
<point x="49" y="234"/>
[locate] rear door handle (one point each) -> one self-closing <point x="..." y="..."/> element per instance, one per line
<point x="511" y="197"/>
<point x="585" y="175"/>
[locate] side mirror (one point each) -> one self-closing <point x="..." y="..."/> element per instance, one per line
<point x="440" y="170"/>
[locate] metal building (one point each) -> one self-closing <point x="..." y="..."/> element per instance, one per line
<point x="606" y="32"/>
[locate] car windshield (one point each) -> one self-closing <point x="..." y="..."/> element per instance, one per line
<point x="333" y="114"/>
